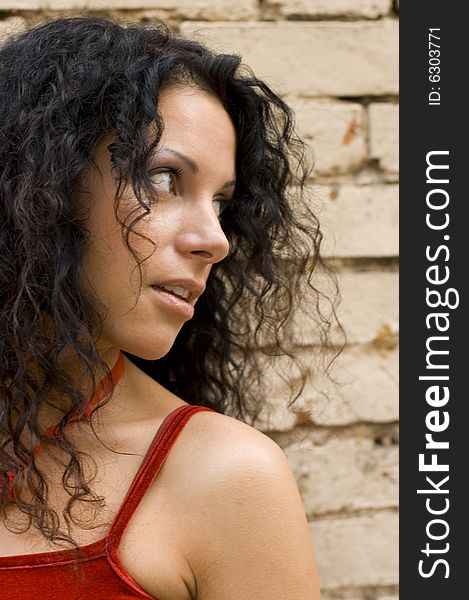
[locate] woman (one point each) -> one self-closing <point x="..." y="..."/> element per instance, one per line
<point x="148" y="250"/>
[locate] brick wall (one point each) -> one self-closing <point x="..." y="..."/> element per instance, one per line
<point x="336" y="62"/>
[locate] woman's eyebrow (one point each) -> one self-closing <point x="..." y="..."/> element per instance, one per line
<point x="228" y="184"/>
<point x="194" y="167"/>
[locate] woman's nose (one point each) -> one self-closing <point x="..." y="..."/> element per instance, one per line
<point x="203" y="235"/>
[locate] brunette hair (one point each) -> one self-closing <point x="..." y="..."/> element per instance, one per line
<point x="64" y="85"/>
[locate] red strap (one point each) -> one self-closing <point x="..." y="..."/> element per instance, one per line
<point x="162" y="443"/>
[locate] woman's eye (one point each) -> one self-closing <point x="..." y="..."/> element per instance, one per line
<point x="220" y="204"/>
<point x="163" y="180"/>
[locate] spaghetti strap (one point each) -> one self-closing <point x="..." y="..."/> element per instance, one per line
<point x="161" y="445"/>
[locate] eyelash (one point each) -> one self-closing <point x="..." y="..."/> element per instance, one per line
<point x="175" y="172"/>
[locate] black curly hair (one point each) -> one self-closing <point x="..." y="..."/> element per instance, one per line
<point x="63" y="86"/>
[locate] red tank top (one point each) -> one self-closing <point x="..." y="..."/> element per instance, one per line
<point x="100" y="574"/>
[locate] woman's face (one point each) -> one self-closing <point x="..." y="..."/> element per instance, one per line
<point x="193" y="170"/>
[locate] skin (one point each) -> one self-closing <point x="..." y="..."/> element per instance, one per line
<point x="223" y="520"/>
<point x="184" y="224"/>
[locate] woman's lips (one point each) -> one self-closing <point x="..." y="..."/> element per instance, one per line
<point x="195" y="287"/>
<point x="174" y="302"/>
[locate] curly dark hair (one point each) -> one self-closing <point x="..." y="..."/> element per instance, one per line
<point x="64" y="85"/>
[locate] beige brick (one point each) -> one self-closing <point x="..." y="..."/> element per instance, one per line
<point x="368" y="309"/>
<point x="335" y="131"/>
<point x="357" y="551"/>
<point x="347" y="594"/>
<point x="358" y="221"/>
<point x="364" y="387"/>
<point x="345" y="474"/>
<point x="384" y="135"/>
<point x="275" y="416"/>
<point x="370" y="305"/>
<point x="44" y="4"/>
<point x="328" y="8"/>
<point x="278" y="376"/>
<point x="11" y="26"/>
<point x="315" y="59"/>
<point x="69" y="4"/>
<point x="21" y="5"/>
<point x="354" y="594"/>
<point x="189" y="9"/>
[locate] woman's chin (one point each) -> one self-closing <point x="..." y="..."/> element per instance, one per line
<point x="146" y="349"/>
<point x="148" y="355"/>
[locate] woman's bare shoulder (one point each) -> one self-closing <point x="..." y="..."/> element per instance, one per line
<point x="247" y="535"/>
<point x="216" y="441"/>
